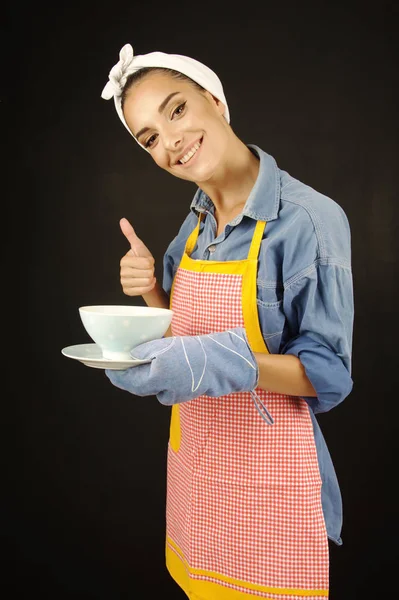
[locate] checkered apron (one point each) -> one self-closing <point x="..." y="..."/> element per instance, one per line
<point x="244" y="514"/>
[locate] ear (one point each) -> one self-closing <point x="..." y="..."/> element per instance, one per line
<point x="218" y="104"/>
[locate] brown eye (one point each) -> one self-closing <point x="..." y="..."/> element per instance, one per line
<point x="148" y="143"/>
<point x="178" y="111"/>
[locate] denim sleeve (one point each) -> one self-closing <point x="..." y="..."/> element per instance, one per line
<point x="319" y="305"/>
<point x="174" y="251"/>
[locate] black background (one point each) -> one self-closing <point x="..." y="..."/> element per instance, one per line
<point x="83" y="479"/>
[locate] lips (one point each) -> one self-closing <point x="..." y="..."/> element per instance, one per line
<point x="186" y="151"/>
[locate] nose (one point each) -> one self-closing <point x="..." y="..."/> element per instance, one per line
<point x="172" y="139"/>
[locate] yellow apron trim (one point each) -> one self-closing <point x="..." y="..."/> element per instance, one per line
<point x="256" y="240"/>
<point x="192" y="238"/>
<point x="250" y="308"/>
<point x="181" y="572"/>
<point x="230" y="267"/>
<point x="175" y="431"/>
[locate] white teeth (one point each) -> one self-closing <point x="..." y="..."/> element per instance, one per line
<point x="190" y="153"/>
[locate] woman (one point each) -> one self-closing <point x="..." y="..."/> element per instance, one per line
<point x="259" y="279"/>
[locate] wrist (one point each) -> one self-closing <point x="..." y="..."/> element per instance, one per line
<point x="157" y="297"/>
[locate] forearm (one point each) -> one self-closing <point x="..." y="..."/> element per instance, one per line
<point x="158" y="298"/>
<point x="284" y="374"/>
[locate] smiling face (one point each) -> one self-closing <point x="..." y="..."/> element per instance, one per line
<point x="182" y="127"/>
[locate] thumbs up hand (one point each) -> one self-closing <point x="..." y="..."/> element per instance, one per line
<point x="137" y="266"/>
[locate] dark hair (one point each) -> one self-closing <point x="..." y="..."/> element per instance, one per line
<point x="141" y="73"/>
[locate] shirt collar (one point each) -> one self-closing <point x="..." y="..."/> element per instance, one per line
<point x="264" y="199"/>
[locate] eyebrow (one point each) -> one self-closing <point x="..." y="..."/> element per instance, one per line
<point x="161" y="108"/>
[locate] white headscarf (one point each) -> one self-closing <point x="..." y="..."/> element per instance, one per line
<point x="128" y="63"/>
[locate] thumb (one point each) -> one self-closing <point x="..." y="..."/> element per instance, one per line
<point x="138" y="247"/>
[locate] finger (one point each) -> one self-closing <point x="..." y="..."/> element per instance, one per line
<point x="129" y="291"/>
<point x="133" y="273"/>
<point x="128" y="282"/>
<point x="137" y="245"/>
<point x="127" y="230"/>
<point x="137" y="262"/>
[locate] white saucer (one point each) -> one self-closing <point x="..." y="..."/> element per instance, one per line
<point x="91" y="356"/>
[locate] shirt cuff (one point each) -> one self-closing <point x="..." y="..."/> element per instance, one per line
<point x="325" y="370"/>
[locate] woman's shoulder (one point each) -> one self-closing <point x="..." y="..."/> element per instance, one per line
<point x="315" y="202"/>
<point x="317" y="215"/>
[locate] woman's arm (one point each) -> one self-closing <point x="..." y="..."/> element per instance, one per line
<point x="319" y="306"/>
<point x="158" y="298"/>
<point x="279" y="373"/>
<point x="284" y="374"/>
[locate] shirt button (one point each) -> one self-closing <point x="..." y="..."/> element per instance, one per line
<point x="212" y="248"/>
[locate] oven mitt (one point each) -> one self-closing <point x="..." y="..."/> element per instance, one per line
<point x="185" y="367"/>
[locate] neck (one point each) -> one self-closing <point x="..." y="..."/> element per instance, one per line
<point x="231" y="186"/>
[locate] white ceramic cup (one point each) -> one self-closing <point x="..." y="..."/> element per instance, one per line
<point x="118" y="329"/>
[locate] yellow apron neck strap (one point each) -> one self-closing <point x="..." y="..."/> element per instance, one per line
<point x="192" y="238"/>
<point x="255" y="244"/>
<point x="256" y="240"/>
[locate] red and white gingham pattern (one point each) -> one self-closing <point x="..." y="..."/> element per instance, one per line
<point x="243" y="497"/>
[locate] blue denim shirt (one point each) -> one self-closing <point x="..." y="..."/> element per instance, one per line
<point x="304" y="288"/>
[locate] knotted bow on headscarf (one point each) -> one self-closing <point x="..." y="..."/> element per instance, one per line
<point x="119" y="73"/>
<point x="128" y="63"/>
